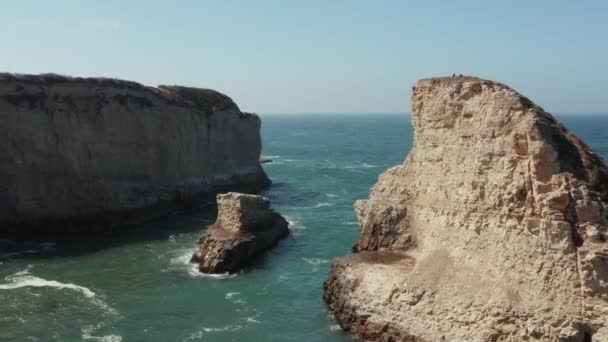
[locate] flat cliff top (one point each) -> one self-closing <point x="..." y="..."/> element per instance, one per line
<point x="446" y="79"/>
<point x="206" y="100"/>
<point x="450" y="81"/>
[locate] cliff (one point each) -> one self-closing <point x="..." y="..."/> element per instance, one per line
<point x="246" y="226"/>
<point x="494" y="229"/>
<point x="90" y="153"/>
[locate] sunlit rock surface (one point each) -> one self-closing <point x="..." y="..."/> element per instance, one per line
<point x="493" y="229"/>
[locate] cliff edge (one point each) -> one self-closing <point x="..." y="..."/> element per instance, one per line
<point x="494" y="229"/>
<point x="78" y="154"/>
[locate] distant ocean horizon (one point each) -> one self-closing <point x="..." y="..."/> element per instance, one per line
<point x="140" y="287"/>
<point x="558" y="114"/>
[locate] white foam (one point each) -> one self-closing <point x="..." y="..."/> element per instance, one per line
<point x="315" y="261"/>
<point x="24" y="279"/>
<point x="361" y="165"/>
<point x="25" y="271"/>
<point x="182" y="261"/>
<point x="334" y="327"/>
<point x="183" y="258"/>
<point x="198" y="335"/>
<point x="20" y="281"/>
<point x="324" y="204"/>
<point x="87" y="334"/>
<point x="230" y="327"/>
<point x="331" y="195"/>
<point x="253" y="319"/>
<point x="195" y="273"/>
<point x="294" y="224"/>
<point x="106" y="338"/>
<point x="352" y="223"/>
<point x="235" y="298"/>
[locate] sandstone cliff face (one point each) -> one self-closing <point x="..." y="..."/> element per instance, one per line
<point x="245" y="227"/>
<point x="75" y="151"/>
<point x="494" y="229"/>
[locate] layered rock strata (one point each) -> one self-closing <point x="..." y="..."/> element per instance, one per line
<point x="246" y="226"/>
<point x="494" y="229"/>
<point x="90" y="153"/>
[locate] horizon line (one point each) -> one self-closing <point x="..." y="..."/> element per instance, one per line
<point x="560" y="113"/>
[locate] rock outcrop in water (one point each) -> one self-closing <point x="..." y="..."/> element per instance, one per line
<point x="95" y="153"/>
<point x="494" y="229"/>
<point x="245" y="227"/>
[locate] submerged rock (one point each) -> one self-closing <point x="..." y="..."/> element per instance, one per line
<point x="494" y="229"/>
<point x="245" y="227"/>
<point x="78" y="154"/>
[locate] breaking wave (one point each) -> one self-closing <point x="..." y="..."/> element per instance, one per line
<point x="87" y="334"/>
<point x="25" y="279"/>
<point x="334" y="327"/>
<point x="182" y="262"/>
<point x="294" y="224"/>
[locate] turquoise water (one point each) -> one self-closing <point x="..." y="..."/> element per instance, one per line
<point x="140" y="287"/>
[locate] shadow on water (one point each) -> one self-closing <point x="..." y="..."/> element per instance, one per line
<point x="154" y="230"/>
<point x="158" y="229"/>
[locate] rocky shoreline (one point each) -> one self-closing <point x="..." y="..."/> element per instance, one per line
<point x="82" y="155"/>
<point x="494" y="229"/>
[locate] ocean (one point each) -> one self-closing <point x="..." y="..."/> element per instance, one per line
<point x="140" y="286"/>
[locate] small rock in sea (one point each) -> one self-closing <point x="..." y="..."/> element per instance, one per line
<point x="245" y="227"/>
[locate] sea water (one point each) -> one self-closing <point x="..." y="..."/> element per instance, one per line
<point x="141" y="287"/>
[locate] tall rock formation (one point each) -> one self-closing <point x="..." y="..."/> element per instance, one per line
<point x="494" y="229"/>
<point x="79" y="153"/>
<point x="246" y="226"/>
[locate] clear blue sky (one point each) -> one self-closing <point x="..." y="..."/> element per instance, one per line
<point x="319" y="56"/>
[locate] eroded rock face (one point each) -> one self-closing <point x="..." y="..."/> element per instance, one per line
<point x="494" y="229"/>
<point x="81" y="153"/>
<point x="245" y="227"/>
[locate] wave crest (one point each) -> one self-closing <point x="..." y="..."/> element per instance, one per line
<point x="25" y="279"/>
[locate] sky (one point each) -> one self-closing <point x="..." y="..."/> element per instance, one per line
<point x="319" y="56"/>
